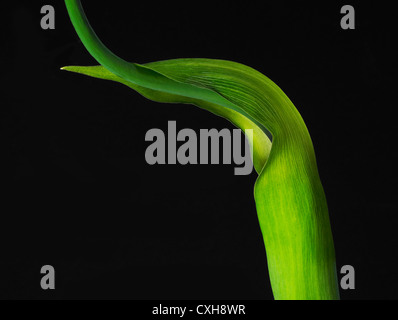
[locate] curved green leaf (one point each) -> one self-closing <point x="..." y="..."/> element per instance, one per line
<point x="290" y="200"/>
<point x="261" y="143"/>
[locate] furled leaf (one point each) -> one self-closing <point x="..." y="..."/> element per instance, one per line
<point x="261" y="143"/>
<point x="291" y="204"/>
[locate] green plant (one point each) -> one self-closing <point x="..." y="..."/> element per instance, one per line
<point x="290" y="201"/>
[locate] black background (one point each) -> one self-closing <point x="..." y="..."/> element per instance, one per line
<point x="77" y="193"/>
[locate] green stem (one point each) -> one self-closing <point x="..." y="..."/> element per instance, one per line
<point x="291" y="204"/>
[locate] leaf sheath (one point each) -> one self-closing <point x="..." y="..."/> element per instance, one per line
<point x="290" y="201"/>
